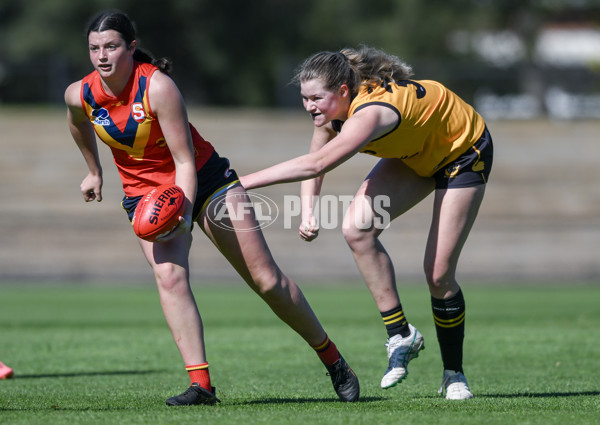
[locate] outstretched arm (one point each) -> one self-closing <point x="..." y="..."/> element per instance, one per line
<point x="83" y="133"/>
<point x="366" y="125"/>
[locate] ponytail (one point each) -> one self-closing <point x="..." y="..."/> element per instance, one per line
<point x="163" y="64"/>
<point x="353" y="68"/>
<point x="376" y="66"/>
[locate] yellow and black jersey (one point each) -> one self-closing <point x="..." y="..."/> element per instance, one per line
<point x="435" y="126"/>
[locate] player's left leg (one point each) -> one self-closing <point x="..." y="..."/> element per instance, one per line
<point x="454" y="213"/>
<point x="249" y="254"/>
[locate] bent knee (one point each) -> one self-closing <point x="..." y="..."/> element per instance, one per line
<point x="170" y="278"/>
<point x="356" y="236"/>
<point x="441" y="279"/>
<point x="269" y="284"/>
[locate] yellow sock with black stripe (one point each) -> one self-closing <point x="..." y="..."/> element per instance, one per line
<point x="199" y="374"/>
<point x="449" y="318"/>
<point x="395" y="322"/>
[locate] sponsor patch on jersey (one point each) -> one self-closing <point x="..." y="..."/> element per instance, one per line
<point x="101" y="117"/>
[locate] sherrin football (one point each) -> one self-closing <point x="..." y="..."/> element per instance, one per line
<point x="158" y="212"/>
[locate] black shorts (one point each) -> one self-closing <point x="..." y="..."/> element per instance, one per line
<point x="472" y="168"/>
<point x="213" y="179"/>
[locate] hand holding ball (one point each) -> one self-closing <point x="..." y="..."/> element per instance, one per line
<point x="158" y="212"/>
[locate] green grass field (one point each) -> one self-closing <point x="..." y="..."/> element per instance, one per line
<point x="103" y="354"/>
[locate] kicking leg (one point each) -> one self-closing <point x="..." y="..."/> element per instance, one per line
<point x="249" y="254"/>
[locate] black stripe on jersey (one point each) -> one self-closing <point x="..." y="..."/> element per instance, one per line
<point x="387" y="105"/>
<point x="128" y="135"/>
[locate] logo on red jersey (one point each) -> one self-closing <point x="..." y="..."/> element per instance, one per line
<point x="101" y="117"/>
<point x="137" y="112"/>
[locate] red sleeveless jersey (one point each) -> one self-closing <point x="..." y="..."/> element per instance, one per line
<point x="129" y="127"/>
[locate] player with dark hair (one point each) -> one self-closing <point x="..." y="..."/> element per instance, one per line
<point x="429" y="140"/>
<point x="130" y="102"/>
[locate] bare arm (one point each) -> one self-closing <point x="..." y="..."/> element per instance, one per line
<point x="82" y="132"/>
<point x="167" y="103"/>
<point x="310" y="189"/>
<point x="364" y="126"/>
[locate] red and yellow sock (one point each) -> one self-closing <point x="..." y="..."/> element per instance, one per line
<point x="327" y="352"/>
<point x="199" y="374"/>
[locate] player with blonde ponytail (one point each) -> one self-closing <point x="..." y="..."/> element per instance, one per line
<point x="429" y="140"/>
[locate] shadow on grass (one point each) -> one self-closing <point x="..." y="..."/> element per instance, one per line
<point x="541" y="395"/>
<point x="273" y="400"/>
<point x="77" y="374"/>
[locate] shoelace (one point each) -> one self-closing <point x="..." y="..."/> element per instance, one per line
<point x="399" y="355"/>
<point x="337" y="373"/>
<point x="187" y="392"/>
<point x="449" y="380"/>
<point x="204" y="393"/>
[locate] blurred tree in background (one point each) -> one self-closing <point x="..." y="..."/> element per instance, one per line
<point x="243" y="53"/>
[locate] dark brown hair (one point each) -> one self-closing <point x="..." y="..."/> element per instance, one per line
<point x="120" y="22"/>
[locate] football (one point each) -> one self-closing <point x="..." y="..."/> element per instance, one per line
<point x="158" y="212"/>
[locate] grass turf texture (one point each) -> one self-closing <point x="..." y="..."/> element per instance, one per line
<point x="105" y="355"/>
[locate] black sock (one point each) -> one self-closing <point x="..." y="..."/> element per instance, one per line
<point x="449" y="318"/>
<point x="395" y="322"/>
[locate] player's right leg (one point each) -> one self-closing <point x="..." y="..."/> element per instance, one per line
<point x="169" y="262"/>
<point x="390" y="190"/>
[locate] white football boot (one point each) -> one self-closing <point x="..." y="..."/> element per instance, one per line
<point x="456" y="386"/>
<point x="401" y="351"/>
